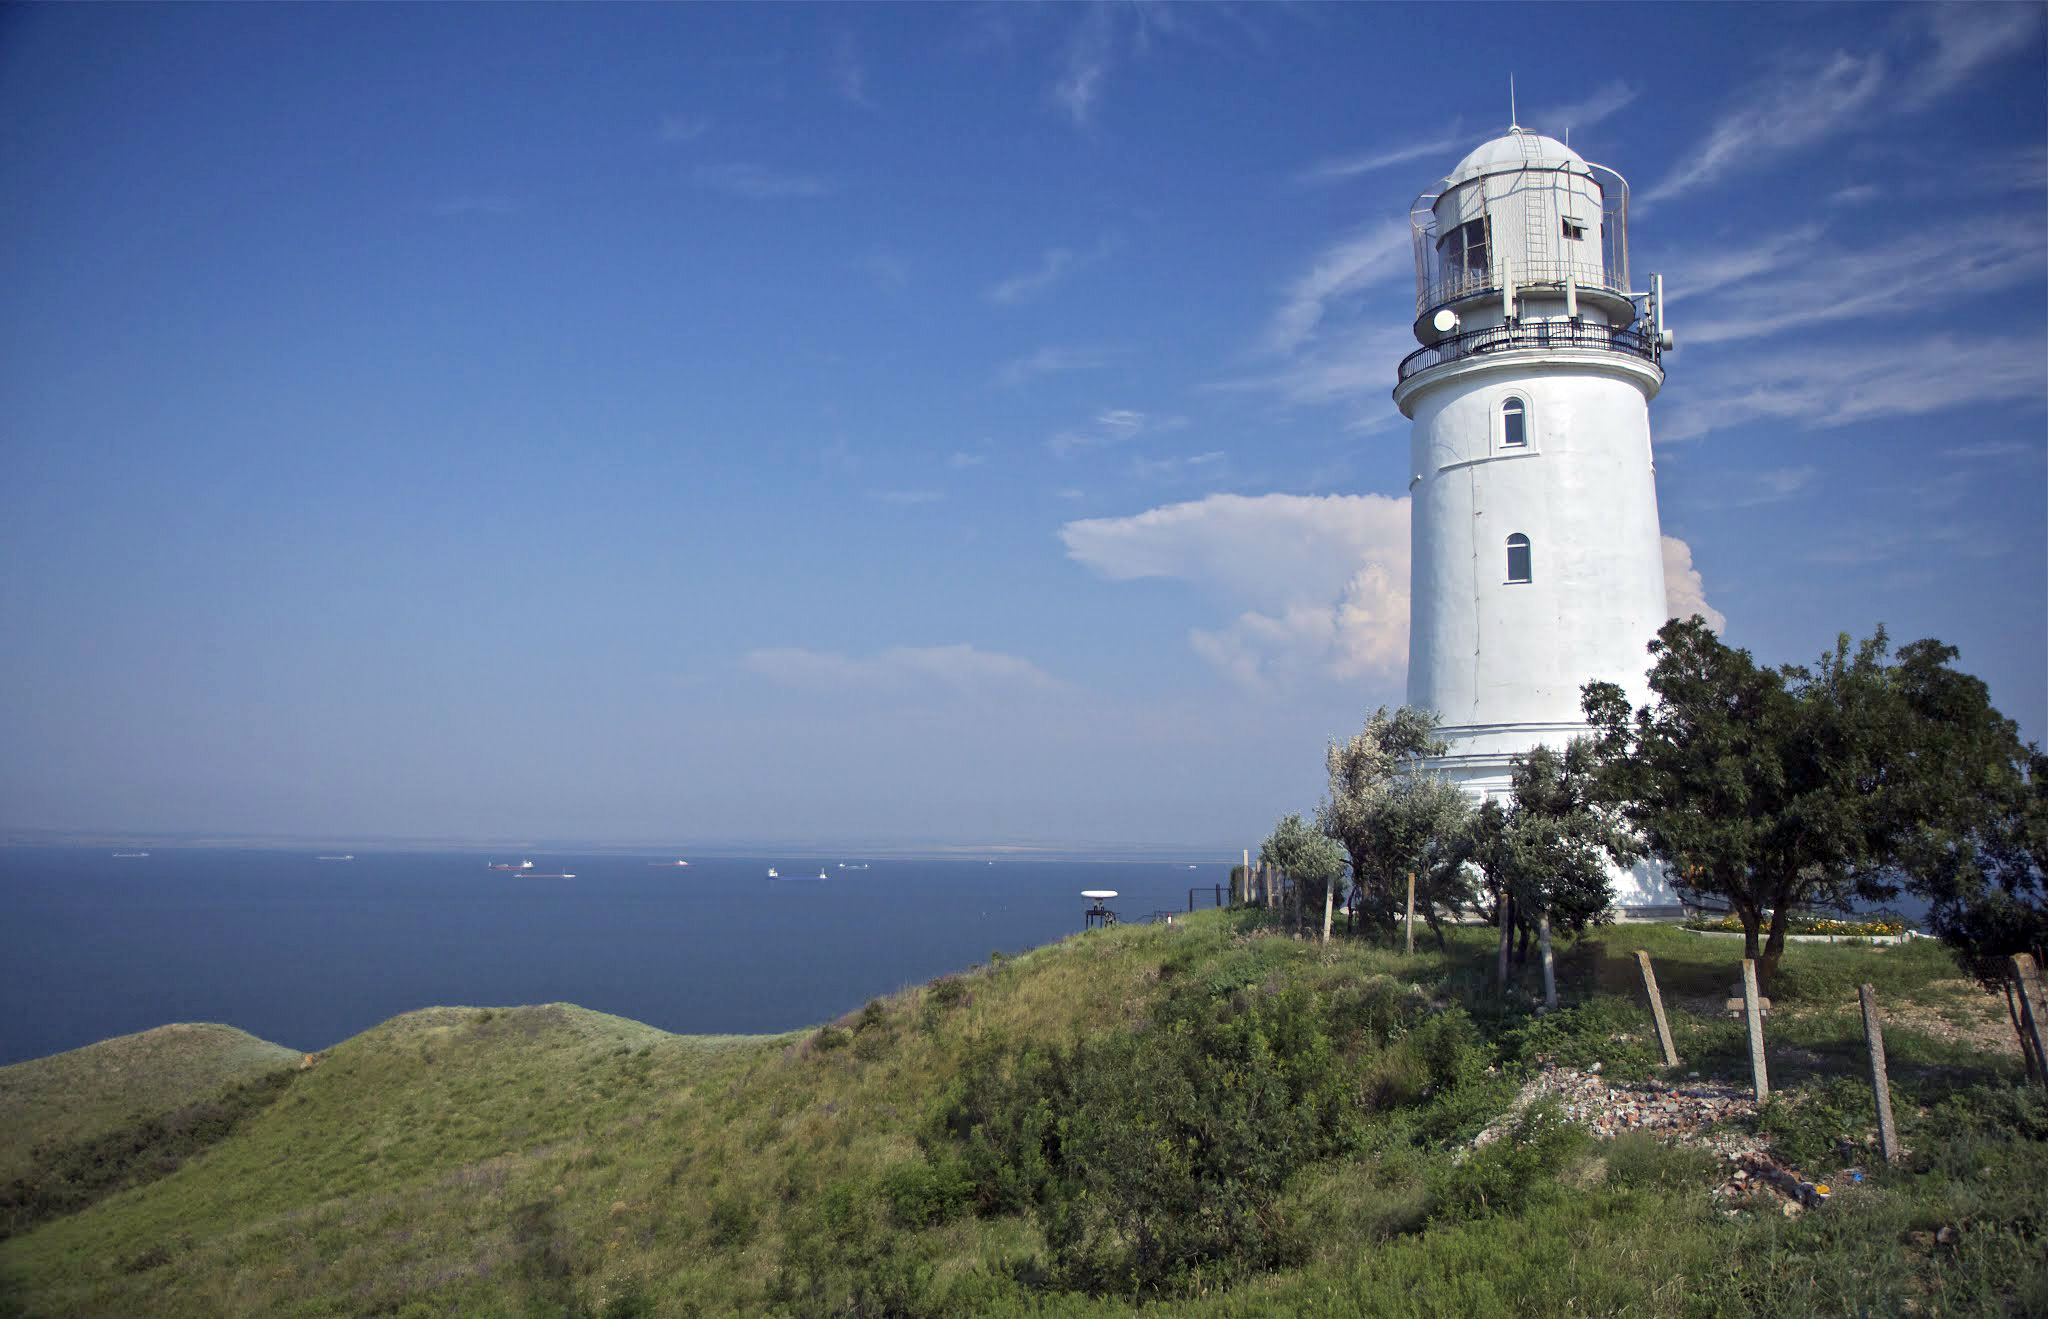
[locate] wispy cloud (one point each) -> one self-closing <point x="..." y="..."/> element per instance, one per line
<point x="759" y="182"/>
<point x="1818" y="389"/>
<point x="1343" y="269"/>
<point x="1801" y="105"/>
<point x="909" y="498"/>
<point x="1604" y="103"/>
<point x="476" y="204"/>
<point x="1086" y="65"/>
<point x="1379" y="158"/>
<point x="1053" y="360"/>
<point x="684" y="127"/>
<point x="1856" y="194"/>
<point x="1056" y="264"/>
<point x="959" y="669"/>
<point x="849" y="74"/>
<point x="1773" y="485"/>
<point x="1696" y="271"/>
<point x="1992" y="449"/>
<point x="1112" y="426"/>
<point x="962" y="459"/>
<point x="1355" y="366"/>
<point x="1182" y="468"/>
<point x="1844" y="282"/>
<point x="1965" y="38"/>
<point x="889" y="271"/>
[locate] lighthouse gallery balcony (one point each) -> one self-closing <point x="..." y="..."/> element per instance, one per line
<point x="1633" y="340"/>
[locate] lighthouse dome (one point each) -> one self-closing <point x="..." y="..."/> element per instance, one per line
<point x="1515" y="149"/>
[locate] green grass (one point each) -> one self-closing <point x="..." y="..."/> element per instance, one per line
<point x="550" y="1160"/>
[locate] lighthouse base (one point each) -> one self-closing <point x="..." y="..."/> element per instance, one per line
<point x="1480" y="759"/>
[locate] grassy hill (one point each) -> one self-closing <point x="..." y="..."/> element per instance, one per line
<point x="1206" y="1118"/>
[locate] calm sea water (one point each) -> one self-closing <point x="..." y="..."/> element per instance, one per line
<point x="307" y="952"/>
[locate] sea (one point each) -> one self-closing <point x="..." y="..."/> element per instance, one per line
<point x="307" y="952"/>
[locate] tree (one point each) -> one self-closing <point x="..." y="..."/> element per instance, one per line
<point x="1380" y="834"/>
<point x="1420" y="825"/>
<point x="1299" y="851"/>
<point x="1776" y="789"/>
<point x="1547" y="852"/>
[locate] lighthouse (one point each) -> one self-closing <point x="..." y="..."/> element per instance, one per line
<point x="1537" y="560"/>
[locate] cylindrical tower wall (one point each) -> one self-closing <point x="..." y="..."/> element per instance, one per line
<point x="1501" y="660"/>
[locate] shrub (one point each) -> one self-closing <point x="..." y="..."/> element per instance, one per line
<point x="732" y="1221"/>
<point x="1509" y="1173"/>
<point x="926" y="1192"/>
<point x="1152" y="1157"/>
<point x="829" y="1038"/>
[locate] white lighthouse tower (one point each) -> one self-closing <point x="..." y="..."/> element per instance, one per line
<point x="1537" y="558"/>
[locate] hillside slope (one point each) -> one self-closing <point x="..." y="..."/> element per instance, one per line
<point x="1212" y="1116"/>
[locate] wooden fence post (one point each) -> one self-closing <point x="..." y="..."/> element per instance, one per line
<point x="2033" y="1013"/>
<point x="1880" y="1086"/>
<point x="1657" y="1008"/>
<point x="1754" y="1012"/>
<point x="1411" y="913"/>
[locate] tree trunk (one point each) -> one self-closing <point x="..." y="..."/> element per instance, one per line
<point x="1507" y="925"/>
<point x="1774" y="946"/>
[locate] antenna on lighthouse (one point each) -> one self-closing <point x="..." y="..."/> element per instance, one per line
<point x="1514" y="121"/>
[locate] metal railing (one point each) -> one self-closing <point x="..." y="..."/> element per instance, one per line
<point x="1451" y="285"/>
<point x="1536" y="334"/>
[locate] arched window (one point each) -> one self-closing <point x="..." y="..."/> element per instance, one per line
<point x="1513" y="423"/>
<point x="1518" y="558"/>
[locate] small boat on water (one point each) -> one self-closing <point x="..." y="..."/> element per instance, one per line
<point x="821" y="872"/>
<point x="130" y="855"/>
<point x="668" y="864"/>
<point x="507" y="865"/>
<point x="537" y="875"/>
<point x="772" y="874"/>
<point x="350" y="857"/>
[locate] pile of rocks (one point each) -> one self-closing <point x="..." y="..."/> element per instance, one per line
<point x="1609" y="1109"/>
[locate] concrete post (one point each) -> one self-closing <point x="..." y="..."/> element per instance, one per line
<point x="1329" y="906"/>
<point x="1657" y="1009"/>
<point x="1880" y="1085"/>
<point x="1549" y="967"/>
<point x="2033" y="1012"/>
<point x="1411" y="913"/>
<point x="1760" y="1077"/>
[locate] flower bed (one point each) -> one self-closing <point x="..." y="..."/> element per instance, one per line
<point x="1883" y="927"/>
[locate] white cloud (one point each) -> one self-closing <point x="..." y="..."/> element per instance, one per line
<point x="1054" y="265"/>
<point x="1684" y="590"/>
<point x="684" y="127"/>
<point x="1052" y="360"/>
<point x="1990" y="450"/>
<point x="1966" y="38"/>
<point x="1321" y="581"/>
<point x="961" y="669"/>
<point x="1112" y="426"/>
<point x="1602" y="104"/>
<point x="889" y="271"/>
<point x="759" y="182"/>
<point x="1341" y="270"/>
<point x="1178" y="468"/>
<point x="1832" y="282"/>
<point x="1087" y="65"/>
<point x="1350" y="167"/>
<point x="849" y="75"/>
<point x="1819" y="389"/>
<point x="1695" y="272"/>
<point x="1804" y="104"/>
<point x="910" y="497"/>
<point x="962" y="459"/>
<point x="1856" y="194"/>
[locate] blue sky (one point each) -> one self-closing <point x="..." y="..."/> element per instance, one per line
<point x="921" y="423"/>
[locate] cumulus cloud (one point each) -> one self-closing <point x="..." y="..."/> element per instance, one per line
<point x="1685" y="594"/>
<point x="961" y="669"/>
<point x="1319" y="582"/>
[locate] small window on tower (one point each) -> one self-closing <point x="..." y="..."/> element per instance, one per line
<point x="1513" y="423"/>
<point x="1573" y="228"/>
<point x="1518" y="558"/>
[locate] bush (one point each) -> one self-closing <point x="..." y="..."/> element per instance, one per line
<point x="731" y="1223"/>
<point x="925" y="1192"/>
<point x="1508" y="1174"/>
<point x="829" y="1038"/>
<point x="1153" y="1157"/>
